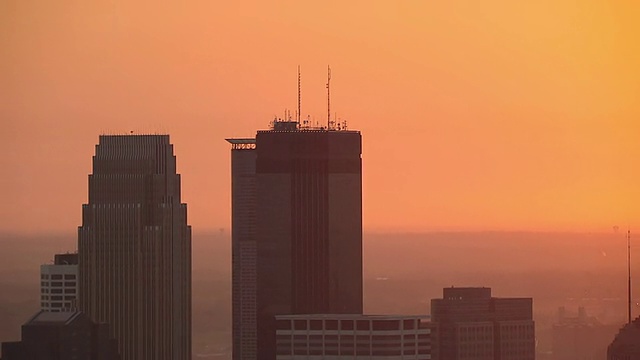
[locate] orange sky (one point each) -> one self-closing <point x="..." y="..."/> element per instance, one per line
<point x="475" y="115"/>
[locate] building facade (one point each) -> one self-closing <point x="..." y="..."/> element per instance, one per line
<point x="303" y="215"/>
<point x="243" y="249"/>
<point x="59" y="283"/>
<point x="356" y="336"/>
<point x="626" y="344"/>
<point x="64" y="335"/>
<point x="471" y="324"/>
<point x="134" y="248"/>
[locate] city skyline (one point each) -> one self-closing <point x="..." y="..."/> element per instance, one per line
<point x="523" y="115"/>
<point x="495" y="148"/>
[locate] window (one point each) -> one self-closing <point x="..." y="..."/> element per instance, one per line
<point x="386" y="325"/>
<point x="280" y="324"/>
<point x="331" y="324"/>
<point x="56" y="277"/>
<point x="300" y="324"/>
<point x="69" y="291"/>
<point x="362" y="325"/>
<point x="315" y="324"/>
<point x="409" y="324"/>
<point x="56" y="283"/>
<point x="70" y="283"/>
<point x="69" y="277"/>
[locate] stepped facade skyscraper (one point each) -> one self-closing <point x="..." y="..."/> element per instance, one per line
<point x="296" y="229"/>
<point x="134" y="248"/>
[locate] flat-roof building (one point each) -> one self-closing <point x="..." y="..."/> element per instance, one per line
<point x="473" y="325"/>
<point x="342" y="336"/>
<point x="59" y="283"/>
<point x="62" y="335"/>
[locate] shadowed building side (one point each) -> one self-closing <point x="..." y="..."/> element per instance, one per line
<point x="626" y="344"/>
<point x="62" y="335"/>
<point x="135" y="248"/>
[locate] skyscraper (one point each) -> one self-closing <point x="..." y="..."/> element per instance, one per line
<point x="243" y="249"/>
<point x="303" y="217"/>
<point x="135" y="248"/>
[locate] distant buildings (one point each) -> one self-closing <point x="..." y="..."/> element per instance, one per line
<point x="580" y="337"/>
<point x="62" y="335"/>
<point x="59" y="283"/>
<point x="471" y="324"/>
<point x="296" y="230"/>
<point x="134" y="248"/>
<point x="342" y="336"/>
<point x="626" y="344"/>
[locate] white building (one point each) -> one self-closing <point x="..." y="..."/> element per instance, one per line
<point x="332" y="337"/>
<point x="59" y="283"/>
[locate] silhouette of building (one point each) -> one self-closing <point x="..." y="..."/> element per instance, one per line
<point x="352" y="336"/>
<point x="297" y="229"/>
<point x="59" y="283"/>
<point x="135" y="248"/>
<point x="626" y="344"/>
<point x="580" y="337"/>
<point x="244" y="251"/>
<point x="471" y="324"/>
<point x="61" y="336"/>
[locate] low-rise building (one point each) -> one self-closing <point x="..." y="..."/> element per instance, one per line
<point x="59" y="283"/>
<point x="473" y="325"/>
<point x="340" y="336"/>
<point x="62" y="335"/>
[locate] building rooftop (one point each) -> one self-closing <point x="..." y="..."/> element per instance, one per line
<point x="349" y="316"/>
<point x="241" y="140"/>
<point x="54" y="318"/>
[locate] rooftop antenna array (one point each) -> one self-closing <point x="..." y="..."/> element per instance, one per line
<point x="328" y="98"/>
<point x="299" y="99"/>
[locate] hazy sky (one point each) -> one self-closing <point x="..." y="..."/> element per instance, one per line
<point x="475" y="115"/>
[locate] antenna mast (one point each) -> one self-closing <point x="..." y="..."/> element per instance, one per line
<point x="299" y="94"/>
<point x="328" y="98"/>
<point x="629" y="272"/>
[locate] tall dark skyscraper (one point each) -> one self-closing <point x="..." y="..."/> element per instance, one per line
<point x="297" y="229"/>
<point x="134" y="248"/>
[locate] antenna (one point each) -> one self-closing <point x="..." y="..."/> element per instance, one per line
<point x="299" y="94"/>
<point x="629" y="273"/>
<point x="328" y="97"/>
